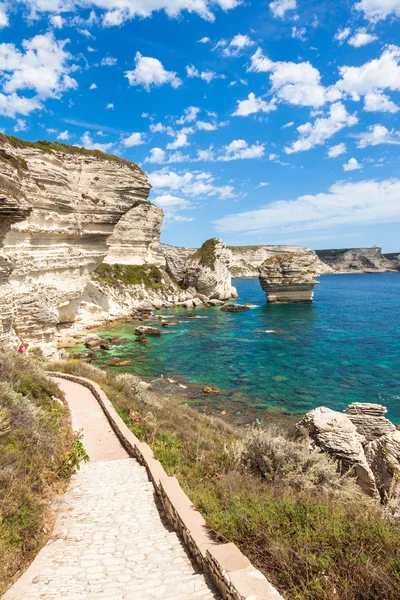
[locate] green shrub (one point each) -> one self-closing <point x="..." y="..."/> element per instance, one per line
<point x="148" y="275"/>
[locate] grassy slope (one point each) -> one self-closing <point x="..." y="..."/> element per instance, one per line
<point x="311" y="544"/>
<point x="38" y="451"/>
<point x="148" y="275"/>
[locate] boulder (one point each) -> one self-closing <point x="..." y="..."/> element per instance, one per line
<point x="119" y="362"/>
<point x="235" y="307"/>
<point x="336" y="435"/>
<point x="197" y="302"/>
<point x="288" y="278"/>
<point x="204" y="299"/>
<point x="142" y="340"/>
<point x="95" y="341"/>
<point x="383" y="456"/>
<point x="215" y="302"/>
<point x="210" y="389"/>
<point x="369" y="420"/>
<point x="147" y="331"/>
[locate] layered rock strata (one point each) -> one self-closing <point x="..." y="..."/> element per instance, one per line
<point x="357" y="260"/>
<point x="288" y="278"/>
<point x="76" y="197"/>
<point x="364" y="442"/>
<point x="246" y="260"/>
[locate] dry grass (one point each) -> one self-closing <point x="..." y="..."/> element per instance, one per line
<point x="36" y="447"/>
<point x="308" y="529"/>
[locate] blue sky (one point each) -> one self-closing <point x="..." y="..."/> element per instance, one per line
<point x="259" y="122"/>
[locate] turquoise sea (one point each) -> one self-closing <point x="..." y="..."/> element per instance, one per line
<point x="345" y="347"/>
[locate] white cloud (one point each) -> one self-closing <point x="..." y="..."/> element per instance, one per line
<point x="4" y="21"/>
<point x="238" y="43"/>
<point x="342" y="34"/>
<point x="116" y="12"/>
<point x="180" y="142"/>
<point x="108" y="61"/>
<point x="65" y="135"/>
<point x="361" y="38"/>
<point x="280" y="7"/>
<point x="41" y="68"/>
<point x="135" y="139"/>
<point x="204" y="40"/>
<point x="344" y="204"/>
<point x="263" y="184"/>
<point x="193" y="184"/>
<point x="239" y="149"/>
<point x="253" y="105"/>
<point x="378" y="102"/>
<point x="93" y="87"/>
<point x="189" y="115"/>
<point x="296" y="83"/>
<point x="299" y="33"/>
<point x="289" y="124"/>
<point x="88" y="143"/>
<point x="150" y="71"/>
<point x="157" y="156"/>
<point x="207" y="75"/>
<point x="335" y="151"/>
<point x="20" y="125"/>
<point x="12" y="105"/>
<point x="323" y="128"/>
<point x="168" y="201"/>
<point x="352" y="165"/>
<point x="204" y="126"/>
<point x="57" y="21"/>
<point x="378" y="10"/>
<point x="110" y="106"/>
<point x="378" y="74"/>
<point x="377" y="134"/>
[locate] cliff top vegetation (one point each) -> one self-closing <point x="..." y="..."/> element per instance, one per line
<point x="148" y="275"/>
<point x="49" y="147"/>
<point x="206" y="253"/>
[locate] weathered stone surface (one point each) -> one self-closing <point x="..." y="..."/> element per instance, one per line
<point x="148" y="331"/>
<point x="288" y="278"/>
<point x="246" y="260"/>
<point x="383" y="455"/>
<point x="92" y="340"/>
<point x="208" y="270"/>
<point x="369" y="420"/>
<point x="77" y="199"/>
<point x="175" y="261"/>
<point x="335" y="434"/>
<point x="357" y="260"/>
<point x="235" y="308"/>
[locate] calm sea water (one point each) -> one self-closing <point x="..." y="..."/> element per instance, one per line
<point x="345" y="347"/>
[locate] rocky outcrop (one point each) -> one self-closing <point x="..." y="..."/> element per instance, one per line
<point x="76" y="197"/>
<point x="208" y="271"/>
<point x="357" y="260"/>
<point x="288" y="278"/>
<point x="246" y="260"/>
<point x="175" y="261"/>
<point x="364" y="442"/>
<point x="394" y="258"/>
<point x="136" y="237"/>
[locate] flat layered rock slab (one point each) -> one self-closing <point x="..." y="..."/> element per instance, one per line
<point x="110" y="542"/>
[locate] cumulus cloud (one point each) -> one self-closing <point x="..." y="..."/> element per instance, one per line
<point x="207" y="75"/>
<point x="342" y="34"/>
<point x="378" y="10"/>
<point x="116" y="12"/>
<point x="4" y="21"/>
<point x="377" y="134"/>
<point x="93" y="87"/>
<point x="235" y="46"/>
<point x="379" y="102"/>
<point x="151" y="72"/>
<point x="344" y="204"/>
<point x="57" y="21"/>
<point x="280" y="7"/>
<point x="65" y="135"/>
<point x="135" y="139"/>
<point x="88" y="143"/>
<point x="296" y="83"/>
<point x="168" y="201"/>
<point x="157" y="156"/>
<point x="239" y="150"/>
<point x="352" y="165"/>
<point x="12" y="105"/>
<point x="194" y="184"/>
<point x="204" y="40"/>
<point x="253" y="105"/>
<point x="180" y="142"/>
<point x="335" y="151"/>
<point x="189" y="115"/>
<point x="323" y="128"/>
<point x="361" y="38"/>
<point x="108" y="61"/>
<point x="299" y="33"/>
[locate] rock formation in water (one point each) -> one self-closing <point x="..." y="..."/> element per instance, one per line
<point x="76" y="197"/>
<point x="357" y="260"/>
<point x="246" y="260"/>
<point x="394" y="258"/>
<point x="288" y="278"/>
<point x="364" y="442"/>
<point x="208" y="271"/>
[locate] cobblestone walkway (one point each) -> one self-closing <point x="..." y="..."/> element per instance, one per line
<point x="109" y="542"/>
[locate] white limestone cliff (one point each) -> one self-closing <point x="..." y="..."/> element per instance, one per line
<point x="208" y="270"/>
<point x="288" y="278"/>
<point x="357" y="260"/>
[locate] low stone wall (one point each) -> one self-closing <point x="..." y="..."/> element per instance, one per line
<point x="231" y="572"/>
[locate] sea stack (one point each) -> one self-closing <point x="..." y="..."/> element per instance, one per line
<point x="288" y="278"/>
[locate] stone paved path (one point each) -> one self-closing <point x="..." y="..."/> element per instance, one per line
<point x="109" y="542"/>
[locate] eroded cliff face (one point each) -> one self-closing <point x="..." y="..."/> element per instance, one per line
<point x="357" y="260"/>
<point x="208" y="270"/>
<point x="288" y="278"/>
<point x="76" y="198"/>
<point x="246" y="260"/>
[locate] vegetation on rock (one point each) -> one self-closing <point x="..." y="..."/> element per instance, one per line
<point x="38" y="452"/>
<point x="206" y="253"/>
<point x="148" y="275"/>
<point x="309" y="530"/>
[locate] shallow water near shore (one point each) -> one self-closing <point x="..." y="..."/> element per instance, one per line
<point x="343" y="348"/>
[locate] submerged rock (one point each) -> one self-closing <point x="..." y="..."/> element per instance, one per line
<point x="93" y="341"/>
<point x="235" y="307"/>
<point x="210" y="389"/>
<point x="142" y="340"/>
<point x="289" y="277"/>
<point x="147" y="331"/>
<point x="119" y="362"/>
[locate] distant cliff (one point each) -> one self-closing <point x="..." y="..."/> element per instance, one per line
<point x="394" y="258"/>
<point x="358" y="260"/>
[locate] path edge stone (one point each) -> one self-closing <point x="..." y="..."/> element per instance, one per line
<point x="230" y="571"/>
